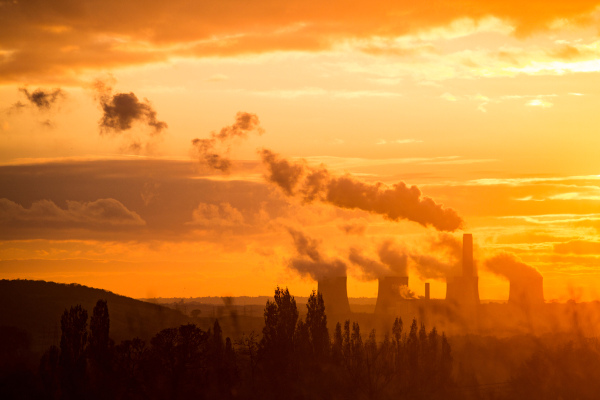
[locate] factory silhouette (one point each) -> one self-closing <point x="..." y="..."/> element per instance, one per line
<point x="461" y="303"/>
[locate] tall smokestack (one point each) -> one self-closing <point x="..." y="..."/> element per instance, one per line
<point x="335" y="294"/>
<point x="392" y="290"/>
<point x="427" y="291"/>
<point x="463" y="290"/>
<point x="467" y="260"/>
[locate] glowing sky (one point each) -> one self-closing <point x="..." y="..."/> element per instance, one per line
<point x="489" y="108"/>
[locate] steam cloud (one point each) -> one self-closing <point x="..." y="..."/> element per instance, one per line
<point x="41" y="99"/>
<point x="509" y="266"/>
<point x="449" y="253"/>
<point x="310" y="261"/>
<point x="121" y="110"/>
<point x="206" y="149"/>
<point x="394" y="203"/>
<point x="392" y="261"/>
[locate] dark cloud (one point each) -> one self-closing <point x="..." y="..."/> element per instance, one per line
<point x="394" y="203"/>
<point x="121" y="110"/>
<point x="309" y="260"/>
<point x="213" y="151"/>
<point x="99" y="213"/>
<point x="40" y="98"/>
<point x="512" y="268"/>
<point x="172" y="197"/>
<point x="216" y="215"/>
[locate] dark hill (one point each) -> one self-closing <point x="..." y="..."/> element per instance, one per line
<point x="36" y="307"/>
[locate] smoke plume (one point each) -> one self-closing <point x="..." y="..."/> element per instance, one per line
<point x="394" y="203"/>
<point x="207" y="151"/>
<point x="40" y="98"/>
<point x="371" y="269"/>
<point x="121" y="110"/>
<point x="310" y="261"/>
<point x="392" y="261"/>
<point x="512" y="268"/>
<point x="442" y="258"/>
<point x="394" y="257"/>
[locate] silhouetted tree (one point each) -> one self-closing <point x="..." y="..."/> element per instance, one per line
<point x="277" y="343"/>
<point x="337" y="346"/>
<point x="316" y="322"/>
<point x="128" y="365"/>
<point x="72" y="360"/>
<point x="100" y="351"/>
<point x="178" y="361"/>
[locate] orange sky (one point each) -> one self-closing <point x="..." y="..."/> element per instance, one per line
<point x="489" y="108"/>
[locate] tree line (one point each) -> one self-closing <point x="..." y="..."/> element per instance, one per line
<point x="293" y="357"/>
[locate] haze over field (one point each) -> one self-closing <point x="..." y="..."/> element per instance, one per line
<point x="177" y="149"/>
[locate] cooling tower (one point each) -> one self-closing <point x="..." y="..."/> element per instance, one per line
<point x="527" y="293"/>
<point x="335" y="295"/>
<point x="463" y="291"/>
<point x="392" y="290"/>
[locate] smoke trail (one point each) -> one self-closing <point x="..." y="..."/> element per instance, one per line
<point x="310" y="261"/>
<point x="394" y="257"/>
<point x="511" y="267"/>
<point x="121" y="110"/>
<point x="40" y="98"/>
<point x="445" y="262"/>
<point x="394" y="203"/>
<point x="206" y="149"/>
<point x="392" y="261"/>
<point x="371" y="269"/>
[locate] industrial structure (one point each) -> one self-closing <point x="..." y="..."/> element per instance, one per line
<point x="463" y="291"/>
<point x="335" y="294"/>
<point x="392" y="290"/>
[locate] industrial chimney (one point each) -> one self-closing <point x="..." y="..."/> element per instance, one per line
<point x="390" y="293"/>
<point x="427" y="291"/>
<point x="335" y="295"/>
<point x="463" y="291"/>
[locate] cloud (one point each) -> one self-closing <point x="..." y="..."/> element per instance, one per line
<point x="310" y="261"/>
<point x="108" y="213"/>
<point x="44" y="40"/>
<point x="212" y="215"/>
<point x="394" y="203"/>
<point x="40" y="98"/>
<point x="539" y="103"/>
<point x="121" y="110"/>
<point x="207" y="150"/>
<point x="578" y="247"/>
<point x="354" y="228"/>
